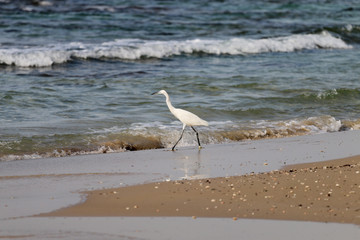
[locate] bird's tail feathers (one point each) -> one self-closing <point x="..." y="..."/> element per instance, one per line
<point x="205" y="123"/>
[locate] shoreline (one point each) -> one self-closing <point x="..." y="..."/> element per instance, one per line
<point x="320" y="191"/>
<point x="41" y="186"/>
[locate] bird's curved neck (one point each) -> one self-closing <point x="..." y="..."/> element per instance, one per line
<point x="170" y="106"/>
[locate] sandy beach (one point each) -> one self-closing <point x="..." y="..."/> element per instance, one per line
<point x="159" y="194"/>
<point x="326" y="192"/>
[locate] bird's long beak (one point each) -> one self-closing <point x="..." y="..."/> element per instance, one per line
<point x="154" y="93"/>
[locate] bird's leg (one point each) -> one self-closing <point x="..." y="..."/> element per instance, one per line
<point x="197" y="136"/>
<point x="173" y="148"/>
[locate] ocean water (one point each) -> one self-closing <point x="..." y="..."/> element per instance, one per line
<point x="76" y="76"/>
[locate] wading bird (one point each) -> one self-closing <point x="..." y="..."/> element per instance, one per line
<point x="186" y="117"/>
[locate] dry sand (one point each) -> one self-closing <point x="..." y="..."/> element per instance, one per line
<point x="326" y="191"/>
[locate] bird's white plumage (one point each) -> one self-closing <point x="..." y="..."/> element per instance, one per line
<point x="186" y="117"/>
<point x="189" y="118"/>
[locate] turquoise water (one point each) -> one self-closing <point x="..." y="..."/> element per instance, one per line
<point x="76" y="76"/>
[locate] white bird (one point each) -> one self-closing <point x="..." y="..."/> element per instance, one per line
<point x="186" y="117"/>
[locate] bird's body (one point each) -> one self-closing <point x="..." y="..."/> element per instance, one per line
<point x="186" y="117"/>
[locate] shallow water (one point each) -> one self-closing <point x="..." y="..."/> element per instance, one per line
<point x="76" y="77"/>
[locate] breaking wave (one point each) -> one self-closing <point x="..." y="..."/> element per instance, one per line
<point x="135" y="49"/>
<point x="147" y="136"/>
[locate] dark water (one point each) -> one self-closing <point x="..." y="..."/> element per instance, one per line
<point x="76" y="76"/>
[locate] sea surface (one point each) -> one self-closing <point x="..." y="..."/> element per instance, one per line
<point x="76" y="77"/>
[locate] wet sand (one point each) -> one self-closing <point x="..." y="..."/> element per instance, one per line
<point x="32" y="187"/>
<point x="327" y="191"/>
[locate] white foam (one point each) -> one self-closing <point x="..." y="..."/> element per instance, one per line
<point x="319" y="124"/>
<point x="217" y="132"/>
<point x="169" y="133"/>
<point x="327" y="93"/>
<point x="34" y="57"/>
<point x="133" y="49"/>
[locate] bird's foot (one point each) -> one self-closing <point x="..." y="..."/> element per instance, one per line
<point x="200" y="147"/>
